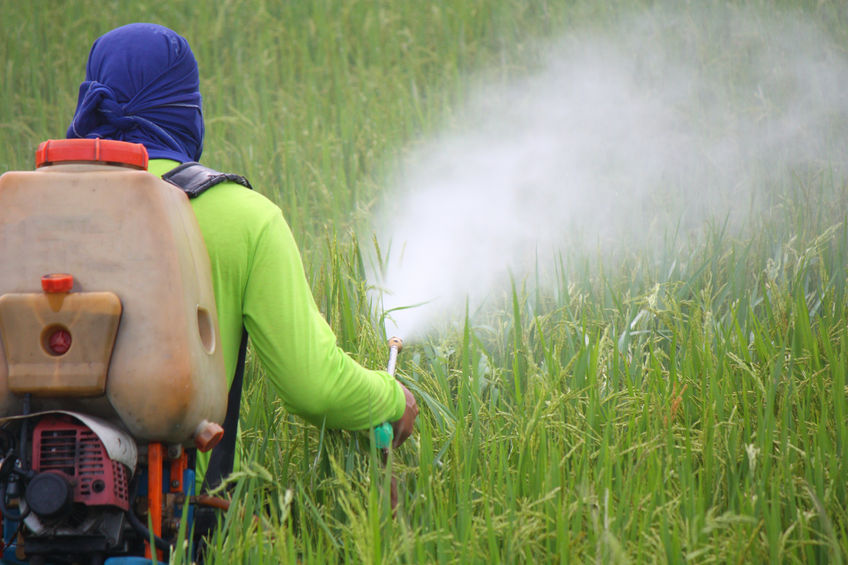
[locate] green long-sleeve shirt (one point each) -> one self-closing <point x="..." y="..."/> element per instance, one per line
<point x="259" y="282"/>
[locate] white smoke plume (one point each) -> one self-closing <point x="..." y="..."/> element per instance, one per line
<point x="658" y="123"/>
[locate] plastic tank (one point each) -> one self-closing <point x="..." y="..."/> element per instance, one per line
<point x="134" y="339"/>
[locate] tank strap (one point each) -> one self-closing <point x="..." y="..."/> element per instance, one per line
<point x="223" y="455"/>
<point x="206" y="518"/>
<point x="194" y="178"/>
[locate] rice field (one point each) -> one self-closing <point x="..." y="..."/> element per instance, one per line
<point x="683" y="403"/>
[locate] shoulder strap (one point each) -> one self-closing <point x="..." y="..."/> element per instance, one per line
<point x="194" y="178"/>
<point x="223" y="455"/>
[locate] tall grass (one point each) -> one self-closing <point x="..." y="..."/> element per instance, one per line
<point x="686" y="404"/>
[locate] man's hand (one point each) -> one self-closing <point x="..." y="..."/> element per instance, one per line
<point x="403" y="427"/>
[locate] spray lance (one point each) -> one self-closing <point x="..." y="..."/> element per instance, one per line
<point x="384" y="434"/>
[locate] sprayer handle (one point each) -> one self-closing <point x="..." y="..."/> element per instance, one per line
<point x="383" y="435"/>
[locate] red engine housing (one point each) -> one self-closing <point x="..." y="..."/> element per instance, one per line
<point x="69" y="447"/>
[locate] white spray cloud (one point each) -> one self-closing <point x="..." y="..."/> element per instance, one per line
<point x="667" y="119"/>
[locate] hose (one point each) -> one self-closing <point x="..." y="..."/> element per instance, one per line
<point x="11" y="515"/>
<point x="210" y="501"/>
<point x="7" y="469"/>
<point x="140" y="528"/>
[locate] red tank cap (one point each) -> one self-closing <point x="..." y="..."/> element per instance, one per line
<point x="108" y="151"/>
<point x="57" y="282"/>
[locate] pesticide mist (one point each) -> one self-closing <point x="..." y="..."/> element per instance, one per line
<point x="617" y="141"/>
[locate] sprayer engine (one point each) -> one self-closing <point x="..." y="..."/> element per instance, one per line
<point x="71" y="465"/>
<point x="62" y="489"/>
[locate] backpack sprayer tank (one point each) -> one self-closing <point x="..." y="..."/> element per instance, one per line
<point x="109" y="339"/>
<point x="132" y="245"/>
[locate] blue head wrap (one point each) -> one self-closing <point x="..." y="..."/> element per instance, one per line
<point x="141" y="85"/>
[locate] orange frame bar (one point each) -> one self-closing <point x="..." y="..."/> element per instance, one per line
<point x="155" y="462"/>
<point x="178" y="467"/>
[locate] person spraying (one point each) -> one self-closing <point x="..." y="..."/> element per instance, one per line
<point x="142" y="86"/>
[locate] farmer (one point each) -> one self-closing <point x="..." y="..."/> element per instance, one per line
<point x="141" y="86"/>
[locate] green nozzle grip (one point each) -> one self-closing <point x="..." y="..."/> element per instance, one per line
<point x="383" y="435"/>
